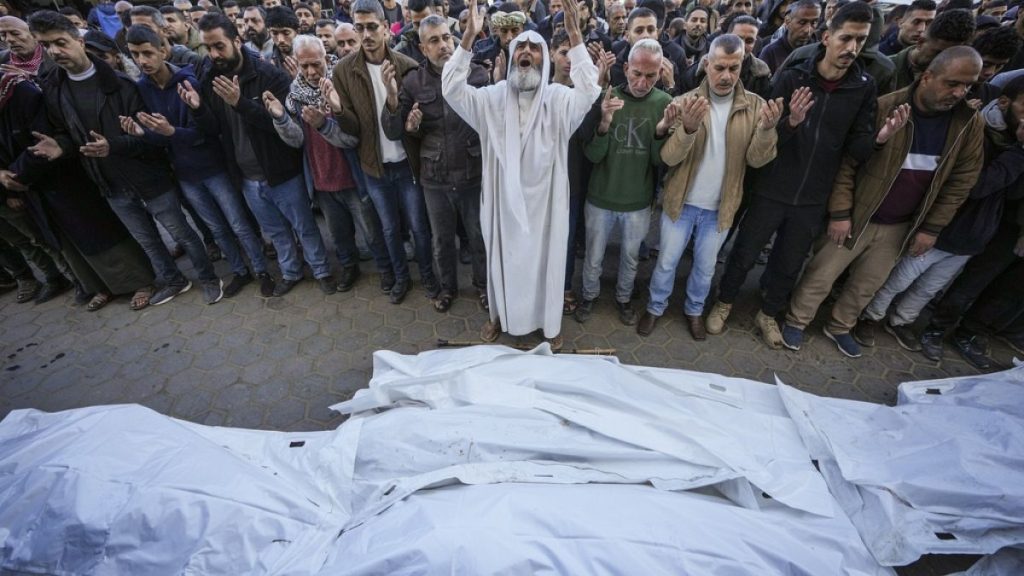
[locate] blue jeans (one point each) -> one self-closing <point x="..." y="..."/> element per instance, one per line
<point x="703" y="225"/>
<point x="344" y="212"/>
<point x="395" y="195"/>
<point x="221" y="207"/>
<point x="137" y="216"/>
<point x="281" y="209"/>
<point x="600" y="224"/>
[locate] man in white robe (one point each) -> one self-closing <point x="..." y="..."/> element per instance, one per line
<point x="524" y="124"/>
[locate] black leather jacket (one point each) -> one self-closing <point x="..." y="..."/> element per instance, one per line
<point x="449" y="149"/>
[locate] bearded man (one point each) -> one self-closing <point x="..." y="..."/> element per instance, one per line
<point x="524" y="125"/>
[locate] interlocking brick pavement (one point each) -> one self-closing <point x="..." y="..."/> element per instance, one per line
<point x="278" y="363"/>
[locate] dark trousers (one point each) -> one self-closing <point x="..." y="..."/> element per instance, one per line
<point x="13" y="264"/>
<point x="980" y="271"/>
<point x="445" y="204"/>
<point x="1000" y="308"/>
<point x="796" y="227"/>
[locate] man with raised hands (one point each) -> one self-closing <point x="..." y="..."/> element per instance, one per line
<point x="524" y="124"/>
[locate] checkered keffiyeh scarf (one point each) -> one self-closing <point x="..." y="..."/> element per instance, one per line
<point x="28" y="65"/>
<point x="7" y="84"/>
<point x="302" y="93"/>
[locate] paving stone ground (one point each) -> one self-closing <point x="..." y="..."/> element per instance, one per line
<point x="279" y="363"/>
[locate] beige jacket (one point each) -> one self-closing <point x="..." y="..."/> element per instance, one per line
<point x="747" y="145"/>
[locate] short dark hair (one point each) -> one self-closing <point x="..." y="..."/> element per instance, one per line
<point x="45" y="21"/>
<point x="641" y="13"/>
<point x="419" y="5"/>
<point x="298" y="5"/>
<point x="738" y="19"/>
<point x="229" y="4"/>
<point x="926" y="5"/>
<point x="657" y="8"/>
<point x="261" y="9"/>
<point x="957" y="5"/>
<point x="282" y="17"/>
<point x="559" y="39"/>
<point x="201" y="9"/>
<point x="1014" y="88"/>
<point x="149" y="12"/>
<point x="369" y="7"/>
<point x="139" y="34"/>
<point x="326" y="22"/>
<point x="695" y="8"/>
<point x="1001" y="43"/>
<point x="858" y="12"/>
<point x="955" y="26"/>
<point x="70" y="11"/>
<point x="169" y="9"/>
<point x="212" y="22"/>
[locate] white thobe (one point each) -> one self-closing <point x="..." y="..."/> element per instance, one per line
<point x="524" y="214"/>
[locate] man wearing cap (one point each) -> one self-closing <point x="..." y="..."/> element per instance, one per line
<point x="524" y="125"/>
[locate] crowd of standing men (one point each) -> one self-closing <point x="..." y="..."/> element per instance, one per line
<point x="870" y="158"/>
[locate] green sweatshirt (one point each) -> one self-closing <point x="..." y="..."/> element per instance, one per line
<point x="625" y="159"/>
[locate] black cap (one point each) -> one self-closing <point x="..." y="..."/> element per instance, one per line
<point x="99" y="41"/>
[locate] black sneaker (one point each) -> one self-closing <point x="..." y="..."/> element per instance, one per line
<point x="626" y="313"/>
<point x="387" y="282"/>
<point x="51" y="290"/>
<point x="27" y="290"/>
<point x="931" y="345"/>
<point x="584" y="311"/>
<point x="213" y="252"/>
<point x="267" y="285"/>
<point x="328" y="285"/>
<point x="398" y="291"/>
<point x="167" y="293"/>
<point x="432" y="288"/>
<point x="864" y="332"/>
<point x="974" y="349"/>
<point x="268" y="250"/>
<point x="237" y="283"/>
<point x="285" y="286"/>
<point x="213" y="291"/>
<point x="904" y="336"/>
<point x="349" y="276"/>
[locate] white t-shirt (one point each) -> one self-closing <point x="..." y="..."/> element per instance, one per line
<point x="706" y="191"/>
<point x="390" y="151"/>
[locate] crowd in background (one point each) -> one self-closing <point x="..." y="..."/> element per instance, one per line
<point x="865" y="156"/>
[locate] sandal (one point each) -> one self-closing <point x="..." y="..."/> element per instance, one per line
<point x="569" y="303"/>
<point x="141" y="298"/>
<point x="98" y="301"/>
<point x="481" y="297"/>
<point x="442" y="303"/>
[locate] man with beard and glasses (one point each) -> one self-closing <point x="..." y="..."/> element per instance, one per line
<point x="87" y="99"/>
<point x="449" y="154"/>
<point x="721" y="130"/>
<point x="304" y="121"/>
<point x="525" y="125"/>
<point x="899" y="200"/>
<point x="229" y="108"/>
<point x="831" y="112"/>
<point x="367" y="87"/>
<point x="257" y="38"/>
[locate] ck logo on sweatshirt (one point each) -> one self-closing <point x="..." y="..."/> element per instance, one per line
<point x="632" y="135"/>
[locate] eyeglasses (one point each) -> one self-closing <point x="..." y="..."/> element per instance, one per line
<point x="371" y="27"/>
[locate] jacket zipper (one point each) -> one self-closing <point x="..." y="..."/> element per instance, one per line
<point x="910" y="144"/>
<point x="810" y="164"/>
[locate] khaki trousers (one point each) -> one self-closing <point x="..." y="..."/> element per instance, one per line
<point x="869" y="262"/>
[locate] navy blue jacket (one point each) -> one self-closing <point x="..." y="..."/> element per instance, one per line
<point x="194" y="155"/>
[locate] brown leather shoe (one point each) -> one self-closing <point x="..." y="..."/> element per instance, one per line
<point x="490" y="331"/>
<point x="696" y="325"/>
<point x="646" y="324"/>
